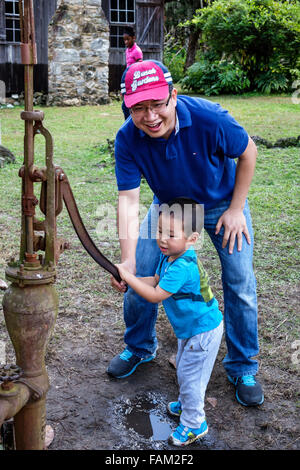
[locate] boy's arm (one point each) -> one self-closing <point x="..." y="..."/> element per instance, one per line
<point x="151" y="280"/>
<point x="151" y="293"/>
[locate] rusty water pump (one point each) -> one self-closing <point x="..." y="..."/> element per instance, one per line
<point x="30" y="304"/>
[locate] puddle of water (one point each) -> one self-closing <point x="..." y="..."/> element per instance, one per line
<point x="146" y="415"/>
<point x="161" y="430"/>
<point x="143" y="418"/>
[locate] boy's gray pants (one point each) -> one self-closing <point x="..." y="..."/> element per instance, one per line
<point x="194" y="363"/>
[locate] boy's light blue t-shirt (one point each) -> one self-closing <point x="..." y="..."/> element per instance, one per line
<point x="188" y="317"/>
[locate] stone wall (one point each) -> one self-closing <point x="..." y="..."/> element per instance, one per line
<point x="78" y="54"/>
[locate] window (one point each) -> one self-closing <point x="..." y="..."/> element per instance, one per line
<point x="116" y="36"/>
<point x="12" y="21"/>
<point x="122" y="11"/>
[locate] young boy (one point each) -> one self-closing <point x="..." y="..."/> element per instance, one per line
<point x="181" y="284"/>
<point x="133" y="54"/>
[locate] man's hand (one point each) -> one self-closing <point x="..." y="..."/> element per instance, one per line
<point x="234" y="227"/>
<point x="233" y="218"/>
<point x="122" y="286"/>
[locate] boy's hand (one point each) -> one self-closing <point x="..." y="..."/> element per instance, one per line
<point x="123" y="268"/>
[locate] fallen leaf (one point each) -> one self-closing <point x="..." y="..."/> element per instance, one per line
<point x="213" y="401"/>
<point x="49" y="436"/>
<point x="172" y="360"/>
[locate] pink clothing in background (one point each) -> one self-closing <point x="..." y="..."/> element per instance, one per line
<point x="133" y="54"/>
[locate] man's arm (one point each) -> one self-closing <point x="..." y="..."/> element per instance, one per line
<point x="233" y="218"/>
<point x="128" y="230"/>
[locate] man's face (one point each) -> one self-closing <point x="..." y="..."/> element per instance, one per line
<point x="156" y="117"/>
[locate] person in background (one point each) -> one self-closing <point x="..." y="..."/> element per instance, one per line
<point x="133" y="54"/>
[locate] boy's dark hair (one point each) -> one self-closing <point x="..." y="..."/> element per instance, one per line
<point x="190" y="212"/>
<point x="129" y="30"/>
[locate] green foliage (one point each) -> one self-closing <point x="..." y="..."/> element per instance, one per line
<point x="261" y="36"/>
<point x="174" y="56"/>
<point x="216" y="77"/>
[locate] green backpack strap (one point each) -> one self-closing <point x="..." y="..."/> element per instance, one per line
<point x="205" y="289"/>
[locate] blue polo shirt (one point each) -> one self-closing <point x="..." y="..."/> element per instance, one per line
<point x="196" y="161"/>
<point x="188" y="317"/>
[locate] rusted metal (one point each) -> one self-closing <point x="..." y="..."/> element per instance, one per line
<point x="32" y="115"/>
<point x="28" y="205"/>
<point x="81" y="231"/>
<point x="28" y="49"/>
<point x="30" y="312"/>
<point x="28" y="44"/>
<point x="30" y="303"/>
<point x="9" y="372"/>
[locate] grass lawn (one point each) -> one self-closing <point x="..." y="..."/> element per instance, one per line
<point x="80" y="148"/>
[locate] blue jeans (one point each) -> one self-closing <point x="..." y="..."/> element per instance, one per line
<point x="239" y="290"/>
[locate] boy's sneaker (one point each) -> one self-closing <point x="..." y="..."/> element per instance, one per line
<point x="174" y="408"/>
<point x="124" y="364"/>
<point x="248" y="390"/>
<point x="182" y="436"/>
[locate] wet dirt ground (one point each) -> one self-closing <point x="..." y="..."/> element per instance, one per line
<point x="88" y="410"/>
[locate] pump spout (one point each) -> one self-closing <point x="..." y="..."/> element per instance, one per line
<point x="12" y="401"/>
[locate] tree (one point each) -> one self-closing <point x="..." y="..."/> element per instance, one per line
<point x="178" y="12"/>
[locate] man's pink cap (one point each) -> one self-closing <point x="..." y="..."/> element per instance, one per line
<point x="147" y="80"/>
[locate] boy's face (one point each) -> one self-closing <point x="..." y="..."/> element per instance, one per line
<point x="129" y="40"/>
<point x="170" y="237"/>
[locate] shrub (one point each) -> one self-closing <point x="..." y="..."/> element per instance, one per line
<point x="213" y="78"/>
<point x="174" y="57"/>
<point x="261" y="36"/>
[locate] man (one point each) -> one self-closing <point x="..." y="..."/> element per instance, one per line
<point x="186" y="146"/>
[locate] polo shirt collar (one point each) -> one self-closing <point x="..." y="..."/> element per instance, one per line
<point x="183" y="114"/>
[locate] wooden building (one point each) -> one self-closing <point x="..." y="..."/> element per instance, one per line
<point x="146" y="17"/>
<point x="11" y="69"/>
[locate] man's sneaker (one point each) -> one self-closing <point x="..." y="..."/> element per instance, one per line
<point x="124" y="364"/>
<point x="248" y="390"/>
<point x="174" y="408"/>
<point x="182" y="436"/>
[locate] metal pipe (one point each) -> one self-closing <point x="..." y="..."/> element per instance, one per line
<point x="30" y="313"/>
<point x="11" y="405"/>
<point x="28" y="53"/>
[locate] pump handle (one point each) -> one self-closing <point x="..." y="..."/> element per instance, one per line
<point x="81" y="231"/>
